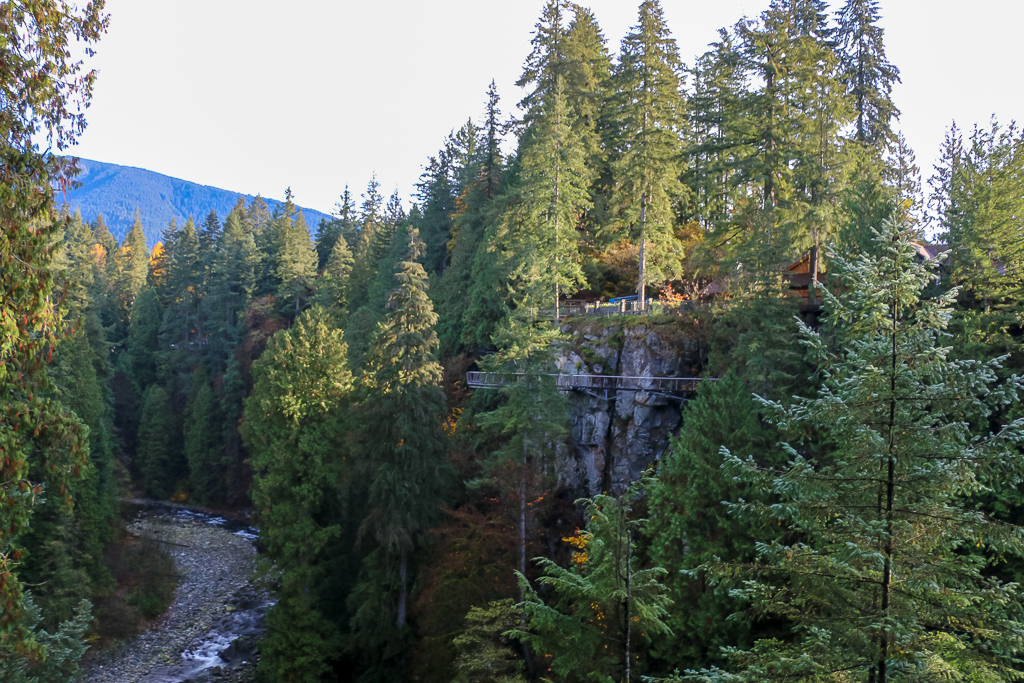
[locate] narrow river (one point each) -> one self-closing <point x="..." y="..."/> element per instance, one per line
<point x="212" y="628"/>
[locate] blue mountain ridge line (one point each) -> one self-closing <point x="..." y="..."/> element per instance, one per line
<point x="117" y="191"/>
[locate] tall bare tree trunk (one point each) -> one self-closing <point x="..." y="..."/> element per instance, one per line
<point x="812" y="297"/>
<point x="642" y="279"/>
<point x="890" y="500"/>
<point x="403" y="595"/>
<point x="629" y="595"/>
<point x="527" y="653"/>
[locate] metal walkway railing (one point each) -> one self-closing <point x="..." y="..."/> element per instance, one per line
<point x="590" y="383"/>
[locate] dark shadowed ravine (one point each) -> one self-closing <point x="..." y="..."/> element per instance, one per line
<point x="212" y="628"/>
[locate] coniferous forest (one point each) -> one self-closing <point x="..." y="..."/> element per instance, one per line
<point x="842" y="498"/>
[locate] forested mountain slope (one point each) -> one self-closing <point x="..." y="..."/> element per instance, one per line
<point x="117" y="191"/>
<point x="823" y="484"/>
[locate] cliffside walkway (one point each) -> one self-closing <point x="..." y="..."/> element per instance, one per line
<point x="575" y="308"/>
<point x="592" y="384"/>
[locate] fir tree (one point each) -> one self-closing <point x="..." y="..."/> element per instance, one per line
<point x="208" y="234"/>
<point x="691" y="495"/>
<point x="232" y="282"/>
<point x="296" y="258"/>
<point x="587" y="81"/>
<point x="160" y="263"/>
<point x="547" y="62"/>
<point x="539" y="238"/>
<point x="439" y="190"/>
<point x="332" y="285"/>
<point x="348" y="224"/>
<point x="204" y="441"/>
<point x="294" y="429"/>
<point x="606" y="603"/>
<point x="394" y="214"/>
<point x="404" y="441"/>
<point x="372" y="244"/>
<point x="647" y="167"/>
<point x="872" y="571"/>
<point x="184" y="288"/>
<point x="483" y="181"/>
<point x="485" y="653"/>
<point x="532" y="420"/>
<point x="260" y="223"/>
<point x="158" y="455"/>
<point x="867" y="75"/>
<point x="104" y="238"/>
<point x="977" y="199"/>
<point x="64" y="648"/>
<point x="143" y="346"/>
<point x="341" y="226"/>
<point x="131" y="270"/>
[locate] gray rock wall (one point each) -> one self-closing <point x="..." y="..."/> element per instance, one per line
<point x="615" y="437"/>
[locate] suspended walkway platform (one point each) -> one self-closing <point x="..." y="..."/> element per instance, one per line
<point x="599" y="386"/>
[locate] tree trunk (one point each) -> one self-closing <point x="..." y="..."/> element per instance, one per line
<point x="629" y="620"/>
<point x="812" y="297"/>
<point x="403" y="572"/>
<point x="642" y="278"/>
<point x="556" y="299"/>
<point x="527" y="653"/>
<point x="890" y="499"/>
<point x="522" y="516"/>
<point x="769" y="177"/>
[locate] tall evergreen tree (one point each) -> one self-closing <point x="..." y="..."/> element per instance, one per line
<point x="296" y="265"/>
<point x="333" y="284"/>
<point x="184" y="288"/>
<point x="347" y="216"/>
<point x="204" y="441"/>
<point x="483" y="176"/>
<point x="439" y="190"/>
<point x="587" y="80"/>
<point x="692" y="495"/>
<point x="647" y="167"/>
<point x="131" y="264"/>
<point x="607" y="605"/>
<point x="143" y="342"/>
<point x="208" y="233"/>
<point x="532" y="420"/>
<point x="104" y="237"/>
<point x="866" y="73"/>
<point x="538" y="238"/>
<point x="713" y="152"/>
<point x="547" y="62"/>
<point x="295" y="430"/>
<point x="977" y="200"/>
<point x="405" y="443"/>
<point x="372" y="244"/>
<point x="231" y="286"/>
<point x="874" y="570"/>
<point x="393" y="211"/>
<point x="158" y="452"/>
<point x="341" y="226"/>
<point x="160" y="264"/>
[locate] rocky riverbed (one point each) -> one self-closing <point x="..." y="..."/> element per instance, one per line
<point x="211" y="631"/>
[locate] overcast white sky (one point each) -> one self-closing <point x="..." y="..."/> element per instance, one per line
<point x="258" y="95"/>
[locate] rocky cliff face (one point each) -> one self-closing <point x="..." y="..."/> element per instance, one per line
<point x="616" y="435"/>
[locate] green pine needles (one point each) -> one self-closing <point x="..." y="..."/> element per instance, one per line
<point x="882" y="566"/>
<point x="608" y="605"/>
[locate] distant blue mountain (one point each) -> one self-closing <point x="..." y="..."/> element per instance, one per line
<point x="117" y="191"/>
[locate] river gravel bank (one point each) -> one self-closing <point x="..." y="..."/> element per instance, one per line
<point x="212" y="627"/>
